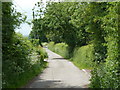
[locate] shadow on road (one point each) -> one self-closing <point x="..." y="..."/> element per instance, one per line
<point x="51" y="84"/>
<point x="59" y="58"/>
<point x="60" y="73"/>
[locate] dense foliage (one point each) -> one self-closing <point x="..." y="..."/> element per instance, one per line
<point x="82" y="56"/>
<point x="81" y="23"/>
<point x="59" y="48"/>
<point x="21" y="60"/>
<point x="108" y="73"/>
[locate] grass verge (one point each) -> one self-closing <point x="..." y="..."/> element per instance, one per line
<point x="82" y="56"/>
<point x="27" y="76"/>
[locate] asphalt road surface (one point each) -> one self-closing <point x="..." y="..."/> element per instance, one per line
<point x="60" y="73"/>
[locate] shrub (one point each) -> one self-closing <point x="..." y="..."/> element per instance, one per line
<point x="51" y="46"/>
<point x="59" y="48"/>
<point x="18" y="62"/>
<point x="41" y="51"/>
<point x="83" y="57"/>
<point x="44" y="44"/>
<point x="62" y="49"/>
<point x="35" y="42"/>
<point x="16" y="57"/>
<point x="107" y="74"/>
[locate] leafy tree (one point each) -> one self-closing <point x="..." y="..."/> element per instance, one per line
<point x="82" y="23"/>
<point x="58" y="24"/>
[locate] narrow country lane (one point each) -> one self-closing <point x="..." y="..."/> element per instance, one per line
<point x="60" y="73"/>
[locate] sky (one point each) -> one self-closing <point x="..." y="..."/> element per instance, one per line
<point x="25" y="7"/>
